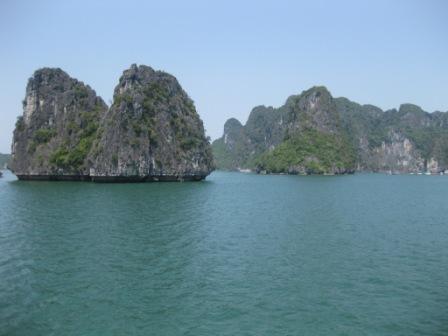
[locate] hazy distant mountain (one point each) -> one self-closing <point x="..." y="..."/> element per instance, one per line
<point x="4" y="159"/>
<point x="316" y="133"/>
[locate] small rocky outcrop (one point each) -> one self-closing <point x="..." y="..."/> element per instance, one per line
<point x="151" y="132"/>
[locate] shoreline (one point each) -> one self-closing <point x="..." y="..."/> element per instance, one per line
<point x="111" y="179"/>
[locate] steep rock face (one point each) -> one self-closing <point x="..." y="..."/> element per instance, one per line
<point x="233" y="148"/>
<point x="233" y="131"/>
<point x="264" y="128"/>
<point x="313" y="140"/>
<point x="151" y="132"/>
<point x="396" y="155"/>
<point x="316" y="133"/>
<point x="59" y="123"/>
<point x="313" y="109"/>
<point x="404" y="140"/>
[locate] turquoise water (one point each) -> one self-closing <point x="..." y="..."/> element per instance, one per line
<point x="238" y="254"/>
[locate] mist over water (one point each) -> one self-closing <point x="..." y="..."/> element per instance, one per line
<point x="237" y="254"/>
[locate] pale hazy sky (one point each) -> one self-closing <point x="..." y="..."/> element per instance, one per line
<point x="232" y="55"/>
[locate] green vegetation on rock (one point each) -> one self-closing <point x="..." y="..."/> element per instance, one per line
<point x="155" y="130"/>
<point x="275" y="139"/>
<point x="58" y="133"/>
<point x="20" y="124"/>
<point x="72" y="156"/>
<point x="151" y="130"/>
<point x="310" y="152"/>
<point x="222" y="156"/>
<point x="43" y="135"/>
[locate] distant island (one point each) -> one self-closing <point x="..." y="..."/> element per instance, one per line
<point x="151" y="132"/>
<point x="314" y="133"/>
<point x="4" y="160"/>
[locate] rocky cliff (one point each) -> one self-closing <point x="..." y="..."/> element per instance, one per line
<point x="151" y="131"/>
<point x="60" y="120"/>
<point x="316" y="133"/>
<point x="400" y="141"/>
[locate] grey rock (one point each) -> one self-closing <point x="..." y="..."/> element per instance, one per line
<point x="151" y="132"/>
<point x="60" y="119"/>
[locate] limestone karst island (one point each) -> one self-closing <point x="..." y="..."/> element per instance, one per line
<point x="151" y="132"/>
<point x="314" y="133"/>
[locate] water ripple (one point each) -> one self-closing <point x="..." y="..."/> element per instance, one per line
<point x="236" y="254"/>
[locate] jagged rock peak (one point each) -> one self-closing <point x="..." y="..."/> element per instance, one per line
<point x="232" y="124"/>
<point x="314" y="98"/>
<point x="313" y="93"/>
<point x="52" y="80"/>
<point x="55" y="86"/>
<point x="137" y="76"/>
<point x="410" y="108"/>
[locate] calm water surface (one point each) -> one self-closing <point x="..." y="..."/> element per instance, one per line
<point x="238" y="254"/>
